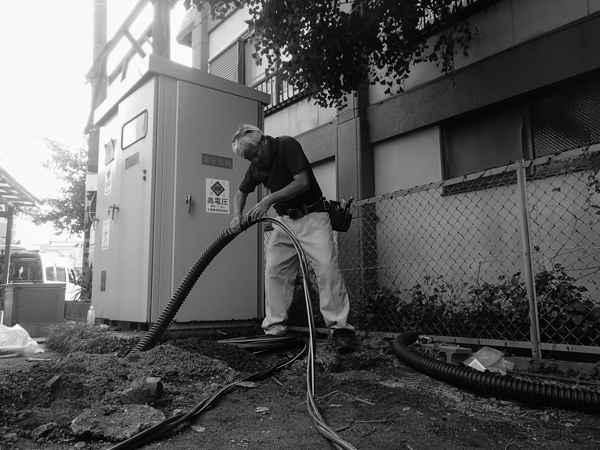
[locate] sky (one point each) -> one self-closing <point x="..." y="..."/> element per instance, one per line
<point x="47" y="51"/>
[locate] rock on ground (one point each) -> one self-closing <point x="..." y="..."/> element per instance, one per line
<point x="115" y="424"/>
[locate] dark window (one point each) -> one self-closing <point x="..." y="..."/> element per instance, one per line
<point x="484" y="142"/>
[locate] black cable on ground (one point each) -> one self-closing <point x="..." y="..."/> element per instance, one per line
<point x="494" y="385"/>
<point x="158" y="329"/>
<point x="160" y="429"/>
<point x="264" y="343"/>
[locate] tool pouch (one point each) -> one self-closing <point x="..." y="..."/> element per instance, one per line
<point x="339" y="217"/>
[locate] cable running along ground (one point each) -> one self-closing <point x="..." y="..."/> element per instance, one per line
<point x="159" y="327"/>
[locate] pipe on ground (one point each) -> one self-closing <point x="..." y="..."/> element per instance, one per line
<point x="495" y="385"/>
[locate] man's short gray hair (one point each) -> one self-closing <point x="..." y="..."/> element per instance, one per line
<point x="245" y="139"/>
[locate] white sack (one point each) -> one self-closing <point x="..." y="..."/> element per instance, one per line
<point x="17" y="339"/>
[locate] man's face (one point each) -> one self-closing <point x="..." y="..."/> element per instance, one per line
<point x="259" y="155"/>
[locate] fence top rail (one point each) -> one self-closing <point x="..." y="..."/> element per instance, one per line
<point x="563" y="156"/>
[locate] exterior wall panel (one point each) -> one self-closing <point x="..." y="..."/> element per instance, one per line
<point x="222" y="36"/>
<point x="531" y="20"/>
<point x="299" y="118"/>
<point x="278" y="124"/>
<point x="326" y="175"/>
<point x="408" y="161"/>
<point x="303" y="117"/>
<point x="494" y="34"/>
<point x="320" y="143"/>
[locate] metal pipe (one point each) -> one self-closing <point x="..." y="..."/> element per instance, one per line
<point x="536" y="350"/>
<point x="10" y="211"/>
<point x="161" y="28"/>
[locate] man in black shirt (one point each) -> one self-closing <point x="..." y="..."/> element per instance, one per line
<point x="282" y="167"/>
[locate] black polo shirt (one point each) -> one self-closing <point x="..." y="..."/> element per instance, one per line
<point x="287" y="160"/>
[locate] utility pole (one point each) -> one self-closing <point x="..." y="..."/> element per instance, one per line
<point x="161" y="27"/>
<point x="99" y="89"/>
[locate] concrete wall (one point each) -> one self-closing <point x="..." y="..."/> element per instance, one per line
<point x="222" y="35"/>
<point x="298" y="118"/>
<point x="325" y="174"/>
<point x="454" y="236"/>
<point x="476" y="236"/>
<point x="407" y="161"/>
<point x="500" y="27"/>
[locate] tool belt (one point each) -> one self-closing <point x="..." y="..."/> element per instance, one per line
<point x="321" y="205"/>
<point x="339" y="215"/>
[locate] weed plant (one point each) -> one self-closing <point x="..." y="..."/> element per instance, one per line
<point x="71" y="337"/>
<point x="494" y="310"/>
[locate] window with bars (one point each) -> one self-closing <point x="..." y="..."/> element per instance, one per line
<point x="566" y="120"/>
<point x="557" y="122"/>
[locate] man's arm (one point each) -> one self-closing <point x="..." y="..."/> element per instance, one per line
<point x="239" y="201"/>
<point x="299" y="185"/>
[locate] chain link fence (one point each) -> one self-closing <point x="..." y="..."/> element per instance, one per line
<point x="453" y="259"/>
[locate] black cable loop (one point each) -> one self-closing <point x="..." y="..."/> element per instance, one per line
<point x="158" y="329"/>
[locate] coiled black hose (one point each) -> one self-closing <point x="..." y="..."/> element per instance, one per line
<point x="494" y="385"/>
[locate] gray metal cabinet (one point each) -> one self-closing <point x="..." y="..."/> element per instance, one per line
<point x="166" y="181"/>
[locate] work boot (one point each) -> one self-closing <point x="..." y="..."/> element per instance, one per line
<point x="345" y="340"/>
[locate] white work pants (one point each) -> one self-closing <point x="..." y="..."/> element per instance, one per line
<point x="314" y="233"/>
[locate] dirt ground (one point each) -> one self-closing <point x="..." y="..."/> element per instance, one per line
<point x="372" y="400"/>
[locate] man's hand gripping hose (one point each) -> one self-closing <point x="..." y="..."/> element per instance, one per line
<point x="159" y="327"/>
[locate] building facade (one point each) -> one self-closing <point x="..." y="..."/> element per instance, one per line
<point x="528" y="90"/>
<point x="525" y="57"/>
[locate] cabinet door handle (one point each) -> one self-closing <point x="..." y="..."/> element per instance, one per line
<point x="188" y="200"/>
<point x="112" y="209"/>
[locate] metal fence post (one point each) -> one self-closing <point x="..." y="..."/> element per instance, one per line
<point x="536" y="351"/>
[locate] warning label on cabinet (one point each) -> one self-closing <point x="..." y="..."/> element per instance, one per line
<point x="217" y="196"/>
<point x="105" y="233"/>
<point x="108" y="182"/>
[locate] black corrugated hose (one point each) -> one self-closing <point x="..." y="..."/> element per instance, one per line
<point x="159" y="327"/>
<point x="495" y="385"/>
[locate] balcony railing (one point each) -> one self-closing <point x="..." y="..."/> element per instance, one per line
<point x="282" y="93"/>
